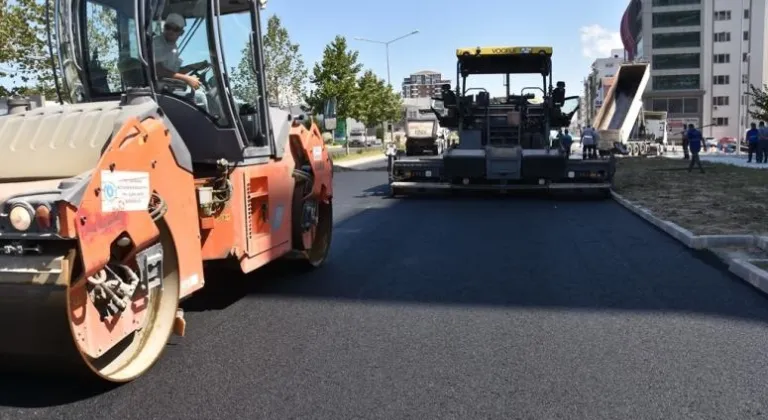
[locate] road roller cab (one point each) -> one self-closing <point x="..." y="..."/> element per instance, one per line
<point x="111" y="203"/>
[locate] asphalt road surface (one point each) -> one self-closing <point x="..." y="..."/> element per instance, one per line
<point x="455" y="309"/>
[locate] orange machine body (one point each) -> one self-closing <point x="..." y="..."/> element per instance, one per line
<point x="255" y="226"/>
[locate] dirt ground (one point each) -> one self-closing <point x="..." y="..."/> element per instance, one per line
<point x="726" y="199"/>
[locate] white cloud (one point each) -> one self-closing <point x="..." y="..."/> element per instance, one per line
<point x="597" y="42"/>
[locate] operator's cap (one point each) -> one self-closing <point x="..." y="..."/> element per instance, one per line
<point x="176" y="19"/>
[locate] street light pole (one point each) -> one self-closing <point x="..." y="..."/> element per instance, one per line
<point x="386" y="50"/>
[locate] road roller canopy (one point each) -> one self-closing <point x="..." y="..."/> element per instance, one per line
<point x="504" y="60"/>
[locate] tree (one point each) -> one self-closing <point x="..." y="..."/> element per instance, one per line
<point x="284" y="65"/>
<point x="376" y="101"/>
<point x="244" y="84"/>
<point x="285" y="73"/>
<point x="24" y="57"/>
<point x="335" y="77"/>
<point x="759" y="108"/>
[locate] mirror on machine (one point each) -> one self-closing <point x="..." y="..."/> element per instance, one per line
<point x="329" y="114"/>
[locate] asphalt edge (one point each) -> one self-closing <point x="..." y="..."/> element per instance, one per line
<point x="748" y="272"/>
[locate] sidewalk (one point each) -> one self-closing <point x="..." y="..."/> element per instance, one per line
<point x="725" y="158"/>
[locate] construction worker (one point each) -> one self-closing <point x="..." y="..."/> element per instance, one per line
<point x="762" y="144"/>
<point x="753" y="139"/>
<point x="167" y="60"/>
<point x="694" y="145"/>
<point x="566" y="141"/>
<point x="587" y="142"/>
<point x="685" y="144"/>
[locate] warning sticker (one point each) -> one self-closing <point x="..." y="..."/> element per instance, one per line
<point x="124" y="191"/>
<point x="317" y="153"/>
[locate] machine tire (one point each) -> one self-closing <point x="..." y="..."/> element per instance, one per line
<point x="321" y="246"/>
<point x="151" y="341"/>
<point x="316" y="255"/>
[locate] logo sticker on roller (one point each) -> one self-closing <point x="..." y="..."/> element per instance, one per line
<point x="124" y="191"/>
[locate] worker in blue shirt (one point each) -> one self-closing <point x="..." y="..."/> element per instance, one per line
<point x="753" y="138"/>
<point x="762" y="144"/>
<point x="566" y="141"/>
<point x="694" y="145"/>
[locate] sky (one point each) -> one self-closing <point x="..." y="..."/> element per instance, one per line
<point x="579" y="32"/>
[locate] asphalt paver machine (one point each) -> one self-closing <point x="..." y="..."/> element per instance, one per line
<point x="112" y="202"/>
<point x="504" y="145"/>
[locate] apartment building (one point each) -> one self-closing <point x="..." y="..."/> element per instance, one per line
<point x="704" y="54"/>
<point x="597" y="84"/>
<point x="423" y="84"/>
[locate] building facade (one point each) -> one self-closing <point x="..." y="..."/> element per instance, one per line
<point x="597" y="84"/>
<point x="423" y="84"/>
<point x="704" y="55"/>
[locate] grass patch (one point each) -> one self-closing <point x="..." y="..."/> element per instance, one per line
<point x="341" y="155"/>
<point x="760" y="264"/>
<point x="726" y="199"/>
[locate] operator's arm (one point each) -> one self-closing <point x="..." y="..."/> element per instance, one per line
<point x="163" y="55"/>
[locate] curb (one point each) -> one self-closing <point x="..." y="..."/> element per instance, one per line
<point x="351" y="163"/>
<point x="748" y="272"/>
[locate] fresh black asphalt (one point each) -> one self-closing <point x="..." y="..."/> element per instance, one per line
<point x="466" y="308"/>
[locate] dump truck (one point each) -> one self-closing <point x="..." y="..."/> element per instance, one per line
<point x="623" y="125"/>
<point x="423" y="135"/>
<point x="113" y="202"/>
<point x="503" y="145"/>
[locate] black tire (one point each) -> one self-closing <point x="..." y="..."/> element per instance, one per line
<point x="316" y="255"/>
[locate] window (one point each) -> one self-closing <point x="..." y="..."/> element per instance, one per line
<point x="721" y="80"/>
<point x="659" y="104"/>
<point x="744" y="79"/>
<point x="723" y="15"/>
<point x="720" y="100"/>
<point x="676" y="61"/>
<point x="721" y="58"/>
<point x="746" y="13"/>
<point x="112" y="62"/>
<point x="673" y="19"/>
<point x="745" y="57"/>
<point x="677" y="82"/>
<point x="720" y="121"/>
<point x="188" y="51"/>
<point x="677" y="40"/>
<point x="745" y="100"/>
<point x="674" y="2"/>
<point x="690" y="105"/>
<point x="746" y="36"/>
<point x="722" y="37"/>
<point x="675" y="105"/>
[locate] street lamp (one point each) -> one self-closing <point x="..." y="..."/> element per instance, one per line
<point x="386" y="47"/>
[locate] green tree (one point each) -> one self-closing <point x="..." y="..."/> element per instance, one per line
<point x="244" y="84"/>
<point x="285" y="72"/>
<point x="376" y="101"/>
<point x="284" y="66"/>
<point x="335" y="77"/>
<point x="24" y="60"/>
<point x="759" y="108"/>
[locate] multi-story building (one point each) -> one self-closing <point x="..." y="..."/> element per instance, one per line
<point x="704" y="55"/>
<point x="597" y="84"/>
<point x="423" y="84"/>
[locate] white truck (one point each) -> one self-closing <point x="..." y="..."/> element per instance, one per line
<point x="622" y="124"/>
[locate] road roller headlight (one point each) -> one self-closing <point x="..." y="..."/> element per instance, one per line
<point x="21" y="217"/>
